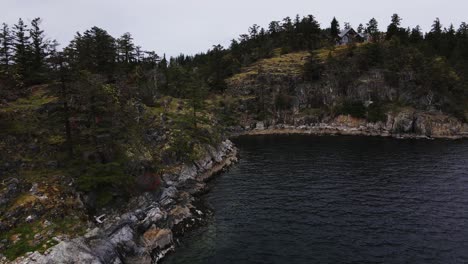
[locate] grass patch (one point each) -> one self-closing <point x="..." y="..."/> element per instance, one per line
<point x="21" y="239"/>
<point x="288" y="64"/>
<point x="37" y="98"/>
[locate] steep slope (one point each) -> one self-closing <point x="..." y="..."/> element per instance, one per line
<point x="324" y="89"/>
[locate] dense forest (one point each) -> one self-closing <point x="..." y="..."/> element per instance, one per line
<point x="104" y="111"/>
<point x="101" y="83"/>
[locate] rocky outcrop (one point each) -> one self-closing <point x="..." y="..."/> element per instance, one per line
<point x="145" y="233"/>
<point x="408" y="123"/>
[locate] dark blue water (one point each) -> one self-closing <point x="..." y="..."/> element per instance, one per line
<point x="303" y="199"/>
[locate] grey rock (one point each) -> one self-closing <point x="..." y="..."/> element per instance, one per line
<point x="34" y="189"/>
<point x="187" y="172"/>
<point x="65" y="252"/>
<point x="153" y="217"/>
<point x="30" y="218"/>
<point x="259" y="126"/>
<point x="170" y="192"/>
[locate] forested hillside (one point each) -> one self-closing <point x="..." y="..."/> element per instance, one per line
<point x="105" y="118"/>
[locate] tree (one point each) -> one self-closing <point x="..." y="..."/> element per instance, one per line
<point x="436" y="27"/>
<point x="373" y="29"/>
<point x="94" y="51"/>
<point x="22" y="50"/>
<point x="435" y="36"/>
<point x="360" y="28"/>
<point x="394" y="27"/>
<point x="62" y="90"/>
<point x="126" y="48"/>
<point x="6" y="47"/>
<point x="274" y="27"/>
<point x="253" y="31"/>
<point x="416" y="35"/>
<point x="38" y="48"/>
<point x="334" y="29"/>
<point x="347" y="25"/>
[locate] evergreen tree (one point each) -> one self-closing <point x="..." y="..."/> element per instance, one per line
<point x="416" y="35"/>
<point x="373" y="29"/>
<point x="274" y="27"/>
<point x="126" y="48"/>
<point x="394" y="27"/>
<point x="6" y="47"/>
<point x="38" y="48"/>
<point x="360" y="28"/>
<point x="435" y="36"/>
<point x="334" y="29"/>
<point x="94" y="50"/>
<point x="436" y="27"/>
<point x="22" y="50"/>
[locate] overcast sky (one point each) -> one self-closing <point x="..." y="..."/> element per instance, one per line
<point x="191" y="26"/>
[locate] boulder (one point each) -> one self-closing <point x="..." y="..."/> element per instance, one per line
<point x="153" y="216"/>
<point x="157" y="238"/>
<point x="187" y="172"/>
<point x="259" y="126"/>
<point x="403" y="122"/>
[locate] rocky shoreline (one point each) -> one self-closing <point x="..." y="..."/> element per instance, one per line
<point x="152" y="222"/>
<point x="147" y="231"/>
<point x="405" y="125"/>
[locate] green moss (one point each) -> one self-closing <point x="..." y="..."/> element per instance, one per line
<point x="56" y="139"/>
<point x="20" y="239"/>
<point x="34" y="101"/>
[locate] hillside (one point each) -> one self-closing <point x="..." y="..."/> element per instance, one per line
<point x="307" y="89"/>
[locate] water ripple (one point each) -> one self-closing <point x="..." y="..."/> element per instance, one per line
<point x="296" y="199"/>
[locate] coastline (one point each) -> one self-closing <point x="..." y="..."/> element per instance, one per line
<point x="152" y="222"/>
<point x="343" y="130"/>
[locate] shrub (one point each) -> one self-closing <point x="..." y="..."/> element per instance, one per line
<point x="353" y="108"/>
<point x="376" y="113"/>
<point x="102" y="176"/>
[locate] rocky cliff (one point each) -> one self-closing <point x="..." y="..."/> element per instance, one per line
<point x="339" y="100"/>
<point x="406" y="124"/>
<point x="151" y="222"/>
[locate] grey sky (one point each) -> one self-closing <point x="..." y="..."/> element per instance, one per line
<point x="190" y="26"/>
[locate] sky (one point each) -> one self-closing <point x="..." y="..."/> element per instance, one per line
<point x="191" y="26"/>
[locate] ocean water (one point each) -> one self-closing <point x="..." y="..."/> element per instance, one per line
<point x="307" y="199"/>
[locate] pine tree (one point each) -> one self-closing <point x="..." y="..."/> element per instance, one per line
<point x="416" y="35"/>
<point x="38" y="48"/>
<point x="373" y="29"/>
<point x="435" y="36"/>
<point x="22" y="50"/>
<point x="436" y="27"/>
<point x="6" y="47"/>
<point x="360" y="28"/>
<point x="334" y="29"/>
<point x="394" y="27"/>
<point x="126" y="48"/>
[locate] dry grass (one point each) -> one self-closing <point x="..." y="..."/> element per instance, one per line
<point x="288" y="64"/>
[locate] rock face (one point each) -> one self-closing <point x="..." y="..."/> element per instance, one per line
<point x="146" y="232"/>
<point x="408" y="123"/>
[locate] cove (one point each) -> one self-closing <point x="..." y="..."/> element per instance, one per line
<point x="308" y="199"/>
